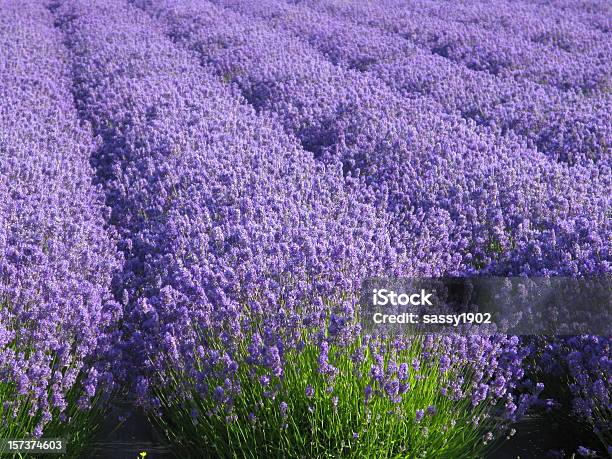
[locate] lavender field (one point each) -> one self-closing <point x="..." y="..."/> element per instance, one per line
<point x="193" y="192"/>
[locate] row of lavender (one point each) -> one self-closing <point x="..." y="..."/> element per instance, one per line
<point x="461" y="197"/>
<point x="245" y="235"/>
<point x="558" y="24"/>
<point x="565" y="125"/>
<point x="57" y="254"/>
<point x="223" y="217"/>
<point x="493" y="49"/>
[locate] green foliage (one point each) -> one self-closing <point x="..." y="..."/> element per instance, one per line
<point x="253" y="426"/>
<point x="76" y="426"/>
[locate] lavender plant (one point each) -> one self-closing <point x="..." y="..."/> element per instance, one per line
<point x="57" y="254"/>
<point x="583" y="362"/>
<point x="374" y="398"/>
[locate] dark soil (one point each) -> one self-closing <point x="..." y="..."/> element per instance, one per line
<point x="535" y="436"/>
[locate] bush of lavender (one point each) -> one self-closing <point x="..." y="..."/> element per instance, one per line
<point x="57" y="256"/>
<point x="583" y="364"/>
<point x="370" y="397"/>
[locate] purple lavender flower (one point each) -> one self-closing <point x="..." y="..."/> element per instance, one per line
<point x="58" y="254"/>
<point x="586" y="452"/>
<point x="283" y="408"/>
<point x="444" y="363"/>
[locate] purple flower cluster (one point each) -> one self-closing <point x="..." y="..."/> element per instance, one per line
<point x="57" y="256"/>
<point x="496" y="369"/>
<point x="493" y="49"/>
<point x="227" y="225"/>
<point x="565" y="125"/>
<point x="461" y="198"/>
<point x="586" y="360"/>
